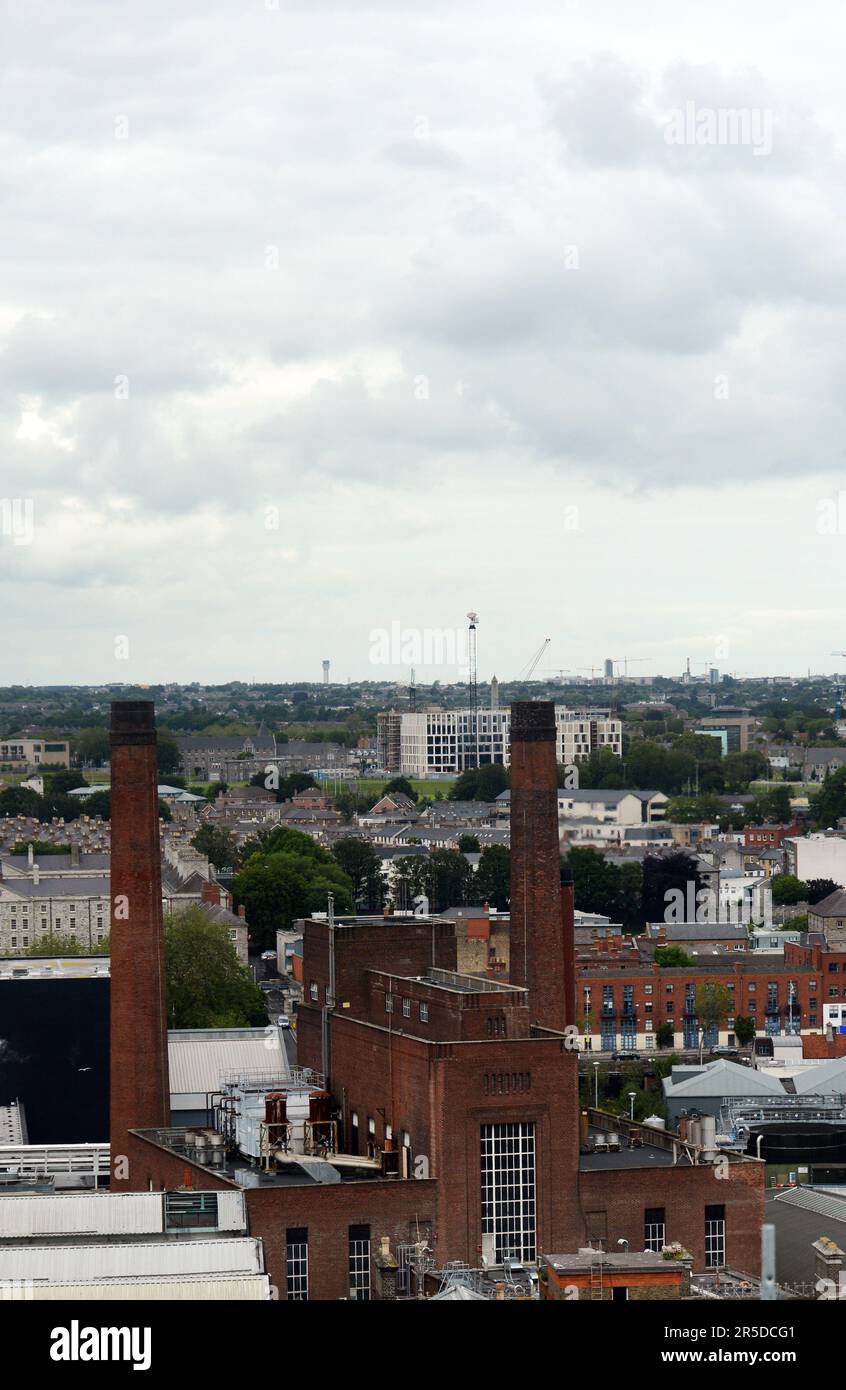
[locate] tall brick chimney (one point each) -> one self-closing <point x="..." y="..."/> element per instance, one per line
<point x="139" y="1086"/>
<point x="537" y="950"/>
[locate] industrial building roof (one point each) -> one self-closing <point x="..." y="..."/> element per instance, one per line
<point x="829" y="1078"/>
<point x="200" y="1058"/>
<point x="722" y="1078"/>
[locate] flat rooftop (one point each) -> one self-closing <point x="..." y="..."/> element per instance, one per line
<point x="633" y="1260"/>
<point x="461" y="984"/>
<point x="298" y="1170"/>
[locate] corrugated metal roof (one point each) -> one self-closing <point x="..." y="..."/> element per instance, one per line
<point x="86" y="1264"/>
<point x="197" y="1067"/>
<point x="24" y="1215"/>
<point x="826" y="1079"/>
<point x="822" y="1203"/>
<point x="724" y="1078"/>
<point x="248" y="1288"/>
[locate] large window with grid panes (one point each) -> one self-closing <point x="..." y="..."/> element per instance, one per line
<point x="359" y="1262"/>
<point x="654" y="1229"/>
<point x="297" y="1264"/>
<point x="715" y="1237"/>
<point x="508" y="1188"/>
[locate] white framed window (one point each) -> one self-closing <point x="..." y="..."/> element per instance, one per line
<point x="359" y="1262"/>
<point x="654" y="1229"/>
<point x="508" y="1188"/>
<point x="715" y="1237"/>
<point x="297" y="1264"/>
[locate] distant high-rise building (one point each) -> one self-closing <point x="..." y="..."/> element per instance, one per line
<point x="714" y="676"/>
<point x="494" y="693"/>
<point x="326" y="673"/>
<point x="608" y="668"/>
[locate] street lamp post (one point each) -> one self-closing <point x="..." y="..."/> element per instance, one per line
<point x="632" y="1095"/>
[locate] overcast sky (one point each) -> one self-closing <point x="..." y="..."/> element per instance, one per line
<point x="318" y="317"/>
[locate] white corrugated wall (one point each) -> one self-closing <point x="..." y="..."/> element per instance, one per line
<point x="83" y="1213"/>
<point x="89" y="1263"/>
<point x="101" y="1213"/>
<point x="252" y="1287"/>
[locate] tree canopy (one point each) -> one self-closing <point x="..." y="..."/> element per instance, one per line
<point x="207" y="987"/>
<point x="360" y="862"/>
<point x="481" y="783"/>
<point x="288" y="876"/>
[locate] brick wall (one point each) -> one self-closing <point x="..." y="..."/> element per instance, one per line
<point x="624" y="1193"/>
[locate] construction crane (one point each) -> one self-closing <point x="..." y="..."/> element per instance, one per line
<point x="412" y="693"/>
<point x="473" y="619"/>
<point x="593" y="669"/>
<point x="528" y="671"/>
<point x="624" y="661"/>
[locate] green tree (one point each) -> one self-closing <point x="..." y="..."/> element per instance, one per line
<point x="219" y="846"/>
<point x="597" y="885"/>
<point x="481" y="783"/>
<point x="664" y="877"/>
<point x="631" y="896"/>
<point x="347" y="803"/>
<point x="293" y="784"/>
<point x="601" y="769"/>
<point x="20" y="801"/>
<point x="207" y="987"/>
<point x="664" y="1035"/>
<point x="744" y="1029"/>
<point x="63" y="781"/>
<point x="714" y="1004"/>
<point x="167" y="754"/>
<point x="493" y="876"/>
<point x="829" y="803"/>
<point x="289" y="876"/>
<point x="56" y="944"/>
<point x="40" y="847"/>
<point x="787" y="890"/>
<point x="469" y="844"/>
<point x="739" y="769"/>
<point x="91" y="748"/>
<point x="672" y="956"/>
<point x="818" y="888"/>
<point x="444" y="877"/>
<point x="359" y="861"/>
<point x="98" y="804"/>
<point x="400" y="784"/>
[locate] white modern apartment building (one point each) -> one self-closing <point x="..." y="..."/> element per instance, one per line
<point x="433" y="741"/>
<point x="817" y="856"/>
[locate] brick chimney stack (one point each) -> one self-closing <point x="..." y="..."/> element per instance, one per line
<point x="568" y="944"/>
<point x="537" y="935"/>
<point x="139" y="1087"/>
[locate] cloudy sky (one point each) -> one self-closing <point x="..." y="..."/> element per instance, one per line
<point x="317" y="317"/>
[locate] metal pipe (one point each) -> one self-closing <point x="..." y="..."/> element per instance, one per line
<point x="769" y="1289"/>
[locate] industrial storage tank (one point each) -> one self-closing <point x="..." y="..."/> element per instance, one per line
<point x="320" y="1106"/>
<point x="799" y="1142"/>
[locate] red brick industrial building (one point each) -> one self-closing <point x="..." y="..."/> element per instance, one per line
<point x="454" y="1098"/>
